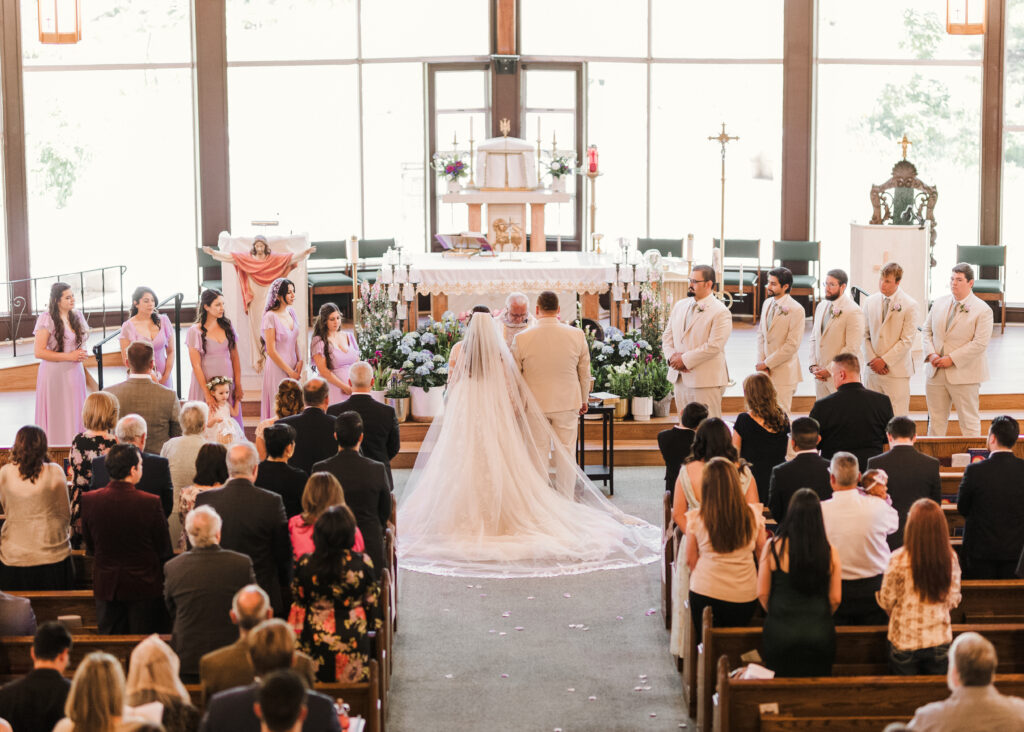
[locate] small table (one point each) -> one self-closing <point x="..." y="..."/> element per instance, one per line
<point x="605" y="472"/>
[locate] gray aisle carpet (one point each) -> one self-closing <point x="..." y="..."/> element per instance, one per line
<point x="581" y="653"/>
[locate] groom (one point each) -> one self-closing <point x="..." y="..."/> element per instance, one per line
<point x="555" y="363"/>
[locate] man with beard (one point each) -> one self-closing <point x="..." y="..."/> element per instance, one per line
<point x="516" y="317"/>
<point x="890" y="321"/>
<point x="779" y="335"/>
<point x="838" y="328"/>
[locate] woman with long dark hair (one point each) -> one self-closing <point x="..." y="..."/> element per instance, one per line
<point x="60" y="336"/>
<point x="334" y="351"/>
<point x="920" y="587"/>
<point x="761" y="434"/>
<point x="213" y="350"/>
<point x="334" y="600"/>
<point x="280" y="342"/>
<point x="799" y="584"/>
<point x="146" y="323"/>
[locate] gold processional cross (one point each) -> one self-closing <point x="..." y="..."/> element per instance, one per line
<point x="723" y="139"/>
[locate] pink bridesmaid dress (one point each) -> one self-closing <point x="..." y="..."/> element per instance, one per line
<point x="341" y="362"/>
<point x="60" y="386"/>
<point x="284" y="340"/>
<point x="163" y="337"/>
<point x="215" y="360"/>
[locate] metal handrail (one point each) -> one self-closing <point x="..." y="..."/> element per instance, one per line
<point x="97" y="350"/>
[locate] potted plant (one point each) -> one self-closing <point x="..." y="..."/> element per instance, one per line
<point x="662" y="388"/>
<point x="620" y="383"/>
<point x="559" y="168"/>
<point x="451" y="167"/>
<point x="381" y="377"/>
<point x="426" y="373"/>
<point x="643" y="390"/>
<point x="397" y="397"/>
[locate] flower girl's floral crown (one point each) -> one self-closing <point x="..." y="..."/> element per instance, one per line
<point x="217" y="381"/>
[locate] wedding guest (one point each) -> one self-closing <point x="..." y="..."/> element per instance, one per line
<point x="16" y="616"/>
<point x="35" y="702"/>
<point x="287" y="401"/>
<point x="275" y="474"/>
<point x="211" y="471"/>
<point x="96" y="700"/>
<point x="333" y="351"/>
<point x="35" y="540"/>
<point x="282" y="702"/>
<point x="675" y="443"/>
<point x="60" y="336"/>
<point x="322" y="491"/>
<point x="920" y="587"/>
<point x="314" y="428"/>
<point x="181" y="453"/>
<point x="761" y="434"/>
<point x="155" y="403"/>
<point x="280" y="341"/>
<point x="381" y="436"/>
<point x="799" y="587"/>
<point x="131" y="429"/>
<point x="807" y="469"/>
<point x="779" y="334"/>
<point x="146" y="323"/>
<point x="723" y="535"/>
<point x="153" y="686"/>
<point x="212" y="350"/>
<point x="335" y="601"/>
<point x="99" y="415"/>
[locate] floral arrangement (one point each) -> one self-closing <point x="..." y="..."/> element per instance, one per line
<point x="441" y="335"/>
<point x="381" y="370"/>
<point x="425" y="369"/>
<point x="450" y="166"/>
<point x="397" y="389"/>
<point x="617" y="349"/>
<point x="560" y="166"/>
<point x="653" y="317"/>
<point x="376" y="320"/>
<point x="620" y="380"/>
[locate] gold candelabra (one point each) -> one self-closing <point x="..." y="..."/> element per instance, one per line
<point x="723" y="139"/>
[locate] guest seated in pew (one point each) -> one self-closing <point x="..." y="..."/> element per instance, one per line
<point x="35" y="703"/>
<point x="807" y="469"/>
<point x="99" y="415"/>
<point x="321" y="492"/>
<point x="271" y="648"/>
<point x="155" y="691"/>
<point x="16" y="615"/>
<point x="287" y="401"/>
<point x="181" y="453"/>
<point x="921" y="585"/>
<point x="799" y="586"/>
<point x="275" y="474"/>
<point x="211" y="471"/>
<point x="96" y="701"/>
<point x="198" y="588"/>
<point x="675" y="443"/>
<point x="35" y="541"/>
<point x="231" y="666"/>
<point x="761" y="433"/>
<point x="131" y="430"/>
<point x="722" y="537"/>
<point x="857" y="525"/>
<point x="313" y="426"/>
<point x="975" y="704"/>
<point x="335" y="600"/>
<point x="282" y="702"/>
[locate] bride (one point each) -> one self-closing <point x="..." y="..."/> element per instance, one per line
<point x="482" y="501"/>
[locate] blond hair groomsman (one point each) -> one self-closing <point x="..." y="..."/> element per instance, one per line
<point x="838" y="328"/>
<point x="955" y="338"/>
<point x="694" y="344"/>
<point x="779" y="335"/>
<point x="891" y="319"/>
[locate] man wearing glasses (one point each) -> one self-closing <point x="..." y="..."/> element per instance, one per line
<point x="516" y="317"/>
<point x="694" y="344"/>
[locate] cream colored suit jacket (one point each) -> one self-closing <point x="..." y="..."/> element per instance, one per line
<point x="965" y="342"/>
<point x="779" y="345"/>
<point x="702" y="345"/>
<point x="555" y="363"/>
<point x="844" y="333"/>
<point x="893" y="339"/>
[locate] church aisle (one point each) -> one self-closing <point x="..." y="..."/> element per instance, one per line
<point x="574" y="653"/>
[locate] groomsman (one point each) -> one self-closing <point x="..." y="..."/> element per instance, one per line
<point x="694" y="344"/>
<point x="779" y="334"/>
<point x="890" y="316"/>
<point x="955" y="338"/>
<point x="838" y="328"/>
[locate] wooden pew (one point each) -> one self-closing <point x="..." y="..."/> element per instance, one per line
<point x="51" y="605"/>
<point x="58" y="454"/>
<point x="943" y="448"/>
<point x="990" y="601"/>
<point x="16" y="661"/>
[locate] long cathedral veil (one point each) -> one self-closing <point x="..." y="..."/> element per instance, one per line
<point x="482" y="500"/>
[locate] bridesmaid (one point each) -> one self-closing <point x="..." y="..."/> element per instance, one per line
<point x="280" y="342"/>
<point x="60" y="385"/>
<point x="212" y="350"/>
<point x="146" y="324"/>
<point x="333" y="363"/>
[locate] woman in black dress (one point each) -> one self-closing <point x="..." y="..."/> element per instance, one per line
<point x="761" y="434"/>
<point x="799" y="585"/>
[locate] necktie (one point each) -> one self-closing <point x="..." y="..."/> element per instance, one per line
<point x="770" y="315"/>
<point x="689" y="315"/>
<point x="952" y="314"/>
<point x="828" y="317"/>
<point x="885" y="309"/>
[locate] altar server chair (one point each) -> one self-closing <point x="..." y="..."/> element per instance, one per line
<point x="208" y="280"/>
<point x="667" y="247"/>
<point x="987" y="256"/>
<point x="741" y="265"/>
<point x="801" y="251"/>
<point x="328" y="280"/>
<point x="372" y="249"/>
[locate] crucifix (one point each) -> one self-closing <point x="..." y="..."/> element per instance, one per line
<point x="723" y="139"/>
<point x="505" y="126"/>
<point x="903" y="143"/>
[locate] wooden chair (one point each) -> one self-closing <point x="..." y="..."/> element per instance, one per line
<point x="988" y="289"/>
<point x="741" y="264"/>
<point x="801" y="251"/>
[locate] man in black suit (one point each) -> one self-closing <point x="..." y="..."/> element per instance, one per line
<point x="381" y="436"/>
<point x="853" y="419"/>
<point x="126" y="531"/>
<point x="275" y="474"/>
<point x="282" y="702"/>
<point x="314" y="430"/>
<point x="271" y="646"/>
<point x="992" y="500"/>
<point x="675" y="443"/>
<point x="365" y="484"/>
<point x="254" y="522"/>
<point x="198" y="588"/>
<point x="16" y="616"/>
<point x="807" y="469"/>
<point x="912" y="474"/>
<point x="156" y="471"/>
<point x="35" y="703"/>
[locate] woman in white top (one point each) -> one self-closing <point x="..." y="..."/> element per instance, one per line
<point x="96" y="700"/>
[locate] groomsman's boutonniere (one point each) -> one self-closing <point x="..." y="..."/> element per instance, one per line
<point x="782" y="309"/>
<point x="836" y="312"/>
<point x="897" y="308"/>
<point x="700" y="308"/>
<point x="962" y="308"/>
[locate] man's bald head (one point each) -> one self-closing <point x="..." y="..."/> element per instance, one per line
<point x="250" y="607"/>
<point x="316" y="393"/>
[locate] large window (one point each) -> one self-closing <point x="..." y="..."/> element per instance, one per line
<point x="110" y="146"/>
<point x="1012" y="226"/>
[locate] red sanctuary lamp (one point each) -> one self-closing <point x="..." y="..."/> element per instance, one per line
<point x="592" y="158"/>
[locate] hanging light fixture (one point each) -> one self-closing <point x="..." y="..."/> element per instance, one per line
<point x="60" y="21"/>
<point x="965" y="17"/>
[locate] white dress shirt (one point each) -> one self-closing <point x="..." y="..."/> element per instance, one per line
<point x="856" y="525"/>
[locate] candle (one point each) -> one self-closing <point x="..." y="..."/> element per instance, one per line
<point x="592" y="158"/>
<point x="689" y="247"/>
<point x="538" y="128"/>
<point x="470" y="128"/>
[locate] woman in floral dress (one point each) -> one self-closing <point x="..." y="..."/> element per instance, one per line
<point x="99" y="415"/>
<point x="335" y="600"/>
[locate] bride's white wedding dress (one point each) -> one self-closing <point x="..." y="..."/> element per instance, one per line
<point x="481" y="501"/>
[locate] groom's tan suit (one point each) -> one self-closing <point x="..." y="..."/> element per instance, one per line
<point x="698" y="330"/>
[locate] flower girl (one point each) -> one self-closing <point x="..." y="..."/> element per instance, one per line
<point x="222" y="426"/>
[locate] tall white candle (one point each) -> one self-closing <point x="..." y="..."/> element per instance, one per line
<point x="470" y="128"/>
<point x="689" y="247"/>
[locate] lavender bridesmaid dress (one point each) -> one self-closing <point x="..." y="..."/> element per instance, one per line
<point x="215" y="361"/>
<point x="341" y="362"/>
<point x="272" y="373"/>
<point x="60" y="386"/>
<point x="163" y="337"/>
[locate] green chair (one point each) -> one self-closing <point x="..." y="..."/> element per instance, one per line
<point x="801" y="251"/>
<point x="745" y="252"/>
<point x="372" y="249"/>
<point x="667" y="247"/>
<point x="329" y="281"/>
<point x="987" y="256"/>
<point x="208" y="280"/>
